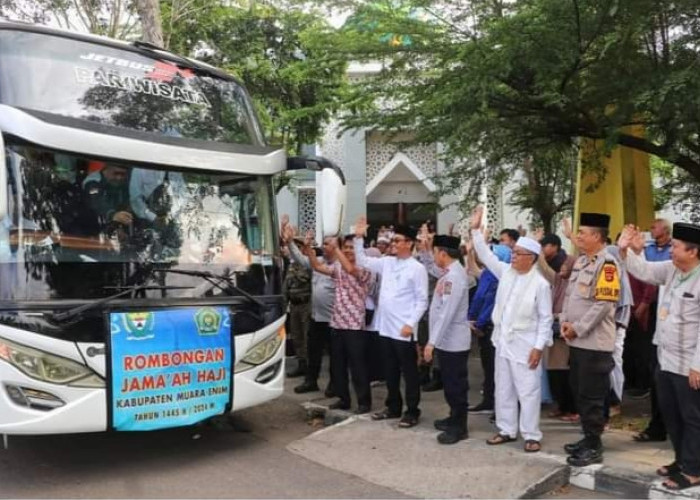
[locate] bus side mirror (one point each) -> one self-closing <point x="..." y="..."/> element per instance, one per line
<point x="3" y="179"/>
<point x="331" y="193"/>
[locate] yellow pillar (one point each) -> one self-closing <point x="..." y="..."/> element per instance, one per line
<point x="626" y="191"/>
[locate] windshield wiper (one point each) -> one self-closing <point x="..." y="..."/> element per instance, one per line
<point x="212" y="278"/>
<point x="76" y="311"/>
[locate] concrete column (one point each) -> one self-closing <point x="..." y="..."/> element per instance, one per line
<point x="354" y="167"/>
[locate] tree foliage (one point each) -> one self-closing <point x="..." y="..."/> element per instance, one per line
<point x="112" y="18"/>
<point x="676" y="189"/>
<point x="546" y="188"/>
<point x="498" y="81"/>
<point x="274" y="50"/>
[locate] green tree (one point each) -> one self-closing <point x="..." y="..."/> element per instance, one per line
<point x="546" y="188"/>
<point x="275" y="51"/>
<point x="496" y="80"/>
<point x="112" y="18"/>
<point x="675" y="188"/>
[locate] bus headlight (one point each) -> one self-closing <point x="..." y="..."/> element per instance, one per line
<point x="46" y="367"/>
<point x="261" y="352"/>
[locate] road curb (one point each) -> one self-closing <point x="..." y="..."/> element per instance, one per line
<point x="625" y="483"/>
<point x="555" y="480"/>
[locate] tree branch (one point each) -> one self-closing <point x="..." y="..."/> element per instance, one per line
<point x="683" y="161"/>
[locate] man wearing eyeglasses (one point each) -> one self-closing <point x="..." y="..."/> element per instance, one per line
<point x="522" y="319"/>
<point x="403" y="298"/>
<point x="588" y="326"/>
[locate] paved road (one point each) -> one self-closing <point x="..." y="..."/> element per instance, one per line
<point x="248" y="460"/>
<point x="222" y="463"/>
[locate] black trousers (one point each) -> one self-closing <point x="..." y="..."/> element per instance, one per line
<point x="375" y="356"/>
<point x="487" y="352"/>
<point x="636" y="363"/>
<point x="681" y="410"/>
<point x="349" y="350"/>
<point x="590" y="383"/>
<point x="455" y="379"/>
<point x="319" y="339"/>
<point x="656" y="427"/>
<point x="401" y="358"/>
<point x="560" y="387"/>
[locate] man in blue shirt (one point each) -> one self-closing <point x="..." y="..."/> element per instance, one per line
<point x="480" y="310"/>
<point x="658" y="250"/>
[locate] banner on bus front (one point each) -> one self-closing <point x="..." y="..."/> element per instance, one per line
<point x="169" y="368"/>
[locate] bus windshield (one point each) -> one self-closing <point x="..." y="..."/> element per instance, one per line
<point x="76" y="225"/>
<point x="122" y="89"/>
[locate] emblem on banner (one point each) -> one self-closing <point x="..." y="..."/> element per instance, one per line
<point x="139" y="325"/>
<point x="208" y="321"/>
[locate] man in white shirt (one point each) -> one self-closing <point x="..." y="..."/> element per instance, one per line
<point x="403" y="298"/>
<point x="522" y="318"/>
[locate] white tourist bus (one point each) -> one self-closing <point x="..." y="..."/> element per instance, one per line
<point x="140" y="273"/>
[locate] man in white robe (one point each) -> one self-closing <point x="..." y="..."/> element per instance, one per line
<point x="522" y="318"/>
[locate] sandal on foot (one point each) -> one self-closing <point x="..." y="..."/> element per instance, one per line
<point x="500" y="439"/>
<point x="645" y="437"/>
<point x="668" y="470"/>
<point x="408" y="421"/>
<point x="384" y="415"/>
<point x="681" y="483"/>
<point x="532" y="446"/>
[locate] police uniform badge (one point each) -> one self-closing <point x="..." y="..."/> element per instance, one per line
<point x="608" y="285"/>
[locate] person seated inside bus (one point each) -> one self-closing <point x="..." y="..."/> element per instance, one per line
<point x="107" y="194"/>
<point x="157" y="198"/>
<point x="66" y="203"/>
<point x="53" y="200"/>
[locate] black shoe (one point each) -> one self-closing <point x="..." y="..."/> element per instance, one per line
<point x="307" y="386"/>
<point x="481" y="409"/>
<point x="452" y="436"/>
<point x="573" y="448"/>
<point x="586" y="456"/>
<point x="299" y="371"/>
<point x="442" y="424"/>
<point x="329" y="392"/>
<point x="362" y="409"/>
<point x="339" y="405"/>
<point x="433" y="385"/>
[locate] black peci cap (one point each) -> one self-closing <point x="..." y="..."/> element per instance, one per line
<point x="446" y="241"/>
<point x="406" y="231"/>
<point x="594" y="220"/>
<point x="690" y="233"/>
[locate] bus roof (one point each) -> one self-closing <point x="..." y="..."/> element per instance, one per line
<point x="141" y="48"/>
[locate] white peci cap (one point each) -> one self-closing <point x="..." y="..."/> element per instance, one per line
<point x="528" y="244"/>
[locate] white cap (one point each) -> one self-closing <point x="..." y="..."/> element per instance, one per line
<point x="529" y="244"/>
<point x="383" y="239"/>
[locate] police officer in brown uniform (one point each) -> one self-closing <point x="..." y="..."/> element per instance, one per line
<point x="588" y="325"/>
